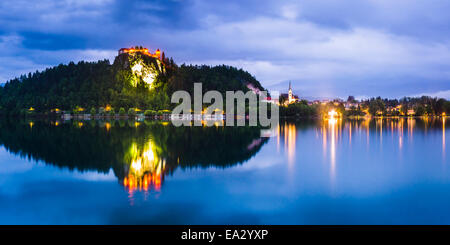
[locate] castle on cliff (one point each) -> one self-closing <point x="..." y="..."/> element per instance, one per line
<point x="158" y="54"/>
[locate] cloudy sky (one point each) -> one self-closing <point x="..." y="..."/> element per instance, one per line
<point x="327" y="48"/>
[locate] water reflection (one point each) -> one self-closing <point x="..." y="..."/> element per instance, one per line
<point x="139" y="153"/>
<point x="371" y="134"/>
<point x="288" y="132"/>
<point x="145" y="170"/>
<point x="142" y="154"/>
<point x="443" y="137"/>
<point x="332" y="125"/>
<point x="330" y="167"/>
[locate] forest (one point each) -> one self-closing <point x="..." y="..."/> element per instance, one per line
<point x="132" y="82"/>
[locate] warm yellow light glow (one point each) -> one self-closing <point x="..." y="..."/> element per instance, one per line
<point x="291" y="133"/>
<point x="332" y="123"/>
<point x="136" y="165"/>
<point x="147" y="76"/>
<point x="443" y="136"/>
<point x="145" y="170"/>
<point x="332" y="114"/>
<point x="31" y="109"/>
<point x="144" y="51"/>
<point x="137" y="68"/>
<point x="108" y="108"/>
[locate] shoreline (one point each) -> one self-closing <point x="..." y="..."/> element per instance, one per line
<point x="194" y="117"/>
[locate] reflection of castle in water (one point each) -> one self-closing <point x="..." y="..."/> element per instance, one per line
<point x="140" y="154"/>
<point x="146" y="170"/>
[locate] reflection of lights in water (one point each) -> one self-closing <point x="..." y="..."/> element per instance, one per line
<point x="108" y="126"/>
<point x="332" y="121"/>
<point x="145" y="171"/>
<point x="411" y="123"/>
<point x="324" y="140"/>
<point x="381" y="130"/>
<point x="392" y="128"/>
<point x="400" y="132"/>
<point x="443" y="134"/>
<point x="332" y="125"/>
<point x="278" y="137"/>
<point x="350" y="134"/>
<point x="31" y="124"/>
<point x="289" y="132"/>
<point x="366" y="125"/>
<point x="331" y="133"/>
<point x="292" y="133"/>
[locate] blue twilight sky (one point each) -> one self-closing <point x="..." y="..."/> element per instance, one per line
<point x="327" y="48"/>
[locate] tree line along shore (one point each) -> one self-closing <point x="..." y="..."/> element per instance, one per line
<point x="139" y="85"/>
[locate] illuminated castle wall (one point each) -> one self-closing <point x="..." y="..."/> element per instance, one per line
<point x="144" y="51"/>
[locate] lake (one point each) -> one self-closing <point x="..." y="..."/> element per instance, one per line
<point x="379" y="171"/>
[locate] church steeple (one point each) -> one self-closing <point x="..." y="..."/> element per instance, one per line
<point x="290" y="96"/>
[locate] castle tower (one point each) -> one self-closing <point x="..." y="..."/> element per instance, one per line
<point x="158" y="54"/>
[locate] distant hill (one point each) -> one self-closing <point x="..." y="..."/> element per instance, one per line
<point x="133" y="80"/>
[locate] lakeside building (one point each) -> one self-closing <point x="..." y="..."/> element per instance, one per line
<point x="350" y="105"/>
<point x="290" y="97"/>
<point x="394" y="109"/>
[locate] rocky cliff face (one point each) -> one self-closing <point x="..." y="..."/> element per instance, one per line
<point x="143" y="68"/>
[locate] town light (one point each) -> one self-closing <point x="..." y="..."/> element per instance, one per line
<point x="332" y="114"/>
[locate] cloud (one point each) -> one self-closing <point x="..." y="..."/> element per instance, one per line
<point x="15" y="61"/>
<point x="319" y="59"/>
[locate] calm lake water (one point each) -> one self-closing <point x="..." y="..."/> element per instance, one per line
<point x="381" y="171"/>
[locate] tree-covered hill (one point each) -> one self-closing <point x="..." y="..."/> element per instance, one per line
<point x="132" y="81"/>
<point x="221" y="78"/>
